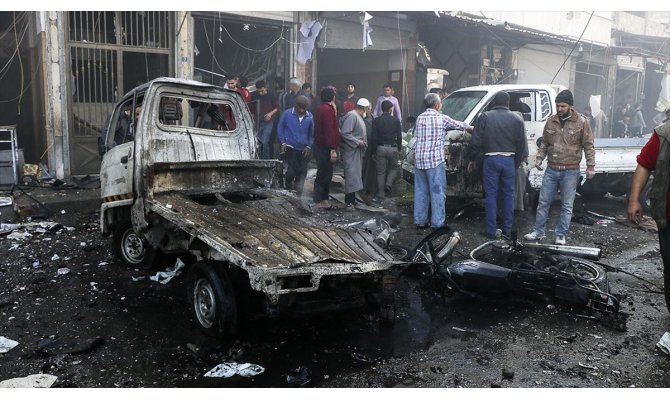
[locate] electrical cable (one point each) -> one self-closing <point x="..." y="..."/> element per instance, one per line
<point x="18" y="50"/>
<point x="573" y="47"/>
<point x="5" y="68"/>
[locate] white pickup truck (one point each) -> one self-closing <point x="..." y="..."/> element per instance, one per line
<point x="615" y="158"/>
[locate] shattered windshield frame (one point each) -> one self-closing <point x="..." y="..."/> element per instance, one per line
<point x="458" y="105"/>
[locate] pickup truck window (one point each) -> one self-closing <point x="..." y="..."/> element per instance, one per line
<point x="458" y="105"/>
<point x="119" y="126"/>
<point x="214" y="115"/>
<point x="545" y="104"/>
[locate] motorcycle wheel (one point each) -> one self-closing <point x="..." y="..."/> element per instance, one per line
<point x="586" y="271"/>
<point x="428" y="249"/>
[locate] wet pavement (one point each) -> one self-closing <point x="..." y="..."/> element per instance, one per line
<point x="144" y="336"/>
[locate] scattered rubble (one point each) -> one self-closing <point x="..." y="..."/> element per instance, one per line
<point x="228" y="369"/>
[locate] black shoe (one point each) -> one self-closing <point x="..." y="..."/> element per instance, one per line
<point x="424" y="226"/>
<point x="488" y="235"/>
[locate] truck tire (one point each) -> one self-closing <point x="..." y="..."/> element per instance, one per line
<point x="212" y="300"/>
<point x="128" y="246"/>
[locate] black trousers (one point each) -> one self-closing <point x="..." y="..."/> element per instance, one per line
<point x="296" y="170"/>
<point x="324" y="173"/>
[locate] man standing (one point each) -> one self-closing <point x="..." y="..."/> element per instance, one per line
<point x="348" y="99"/>
<point x="637" y="124"/>
<point x="500" y="136"/>
<point x="565" y="136"/>
<point x="326" y="142"/>
<point x="233" y="83"/>
<point x="430" y="180"/>
<point x="268" y="110"/>
<point x="296" y="135"/>
<point x="621" y="127"/>
<point x="387" y="95"/>
<point x="352" y="148"/>
<point x="287" y="99"/>
<point x="655" y="156"/>
<point x="386" y="144"/>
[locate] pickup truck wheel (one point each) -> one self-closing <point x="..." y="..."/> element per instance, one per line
<point x="128" y="246"/>
<point x="212" y="300"/>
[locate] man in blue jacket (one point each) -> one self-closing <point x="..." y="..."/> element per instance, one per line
<point x="296" y="135"/>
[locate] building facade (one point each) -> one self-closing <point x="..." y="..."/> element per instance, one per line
<point x="63" y="71"/>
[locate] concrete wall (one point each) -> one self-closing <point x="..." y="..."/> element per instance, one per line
<point x="563" y="23"/>
<point x="538" y="64"/>
<point x="654" y="25"/>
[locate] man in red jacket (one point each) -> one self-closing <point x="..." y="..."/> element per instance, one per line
<point x="326" y="142"/>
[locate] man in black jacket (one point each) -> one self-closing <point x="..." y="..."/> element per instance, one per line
<point x="500" y="136"/>
<point x="386" y="144"/>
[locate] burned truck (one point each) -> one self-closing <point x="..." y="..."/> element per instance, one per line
<point x="180" y="176"/>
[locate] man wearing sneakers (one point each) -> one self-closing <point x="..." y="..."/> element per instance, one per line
<point x="565" y="136"/>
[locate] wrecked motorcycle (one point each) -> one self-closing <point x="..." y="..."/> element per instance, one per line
<point x="563" y="273"/>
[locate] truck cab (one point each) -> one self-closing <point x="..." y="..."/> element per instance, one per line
<point x="615" y="158"/>
<point x="180" y="176"/>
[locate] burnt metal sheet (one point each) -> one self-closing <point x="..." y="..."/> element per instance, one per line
<point x="212" y="176"/>
<point x="274" y="231"/>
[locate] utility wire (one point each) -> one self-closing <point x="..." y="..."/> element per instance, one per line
<point x="573" y="47"/>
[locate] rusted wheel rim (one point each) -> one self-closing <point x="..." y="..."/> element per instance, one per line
<point x="133" y="247"/>
<point x="205" y="303"/>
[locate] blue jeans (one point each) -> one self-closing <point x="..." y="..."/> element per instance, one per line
<point x="499" y="175"/>
<point x="566" y="181"/>
<point x="430" y="187"/>
<point x="264" y="135"/>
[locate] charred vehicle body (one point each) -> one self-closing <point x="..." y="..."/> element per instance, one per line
<point x="185" y="180"/>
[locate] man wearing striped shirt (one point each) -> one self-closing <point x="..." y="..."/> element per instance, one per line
<point x="430" y="180"/>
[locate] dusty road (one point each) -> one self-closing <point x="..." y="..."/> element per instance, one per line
<point x="133" y="332"/>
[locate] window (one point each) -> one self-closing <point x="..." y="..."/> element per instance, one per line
<point x="458" y="105"/>
<point x="545" y="106"/>
<point x="208" y="114"/>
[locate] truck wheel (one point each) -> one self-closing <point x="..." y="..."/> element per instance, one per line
<point x="211" y="300"/>
<point x="128" y="246"/>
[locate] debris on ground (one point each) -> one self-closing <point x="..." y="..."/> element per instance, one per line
<point x="63" y="271"/>
<point x="595" y="214"/>
<point x="664" y="343"/>
<point x="588" y="366"/>
<point x="30" y="381"/>
<point x="299" y="376"/>
<point x="567" y="339"/>
<point x="28" y="229"/>
<point x="647" y="223"/>
<point x="167" y="275"/>
<point x="583" y="218"/>
<point x="72" y="346"/>
<point x="7" y="344"/>
<point x="228" y="369"/>
<point x="507" y="374"/>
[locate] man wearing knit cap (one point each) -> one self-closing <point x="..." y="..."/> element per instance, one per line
<point x="565" y="136"/>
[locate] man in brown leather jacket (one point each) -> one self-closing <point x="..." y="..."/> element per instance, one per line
<point x="565" y="136"/>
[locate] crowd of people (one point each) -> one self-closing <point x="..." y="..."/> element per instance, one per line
<point x="366" y="139"/>
<point x="331" y="129"/>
